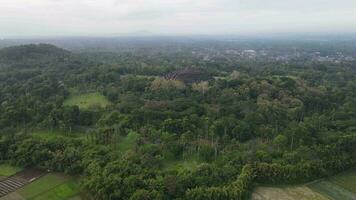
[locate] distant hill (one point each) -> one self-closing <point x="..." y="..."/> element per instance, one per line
<point x="31" y="52"/>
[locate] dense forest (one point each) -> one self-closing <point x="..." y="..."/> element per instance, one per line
<point x="189" y="121"/>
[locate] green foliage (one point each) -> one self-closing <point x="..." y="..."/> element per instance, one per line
<point x="87" y="101"/>
<point x="8" y="170"/>
<point x="260" y="121"/>
<point x="346" y="180"/>
<point x="239" y="189"/>
<point x="52" y="186"/>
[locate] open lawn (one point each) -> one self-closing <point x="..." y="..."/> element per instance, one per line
<point x="54" y="186"/>
<point x="87" y="101"/>
<point x="8" y="170"/>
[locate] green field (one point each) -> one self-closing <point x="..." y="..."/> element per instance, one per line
<point x="339" y="187"/>
<point x="286" y="193"/>
<point x="332" y="191"/>
<point x="87" y="101"/>
<point x="8" y="170"/>
<point x="54" y="186"/>
<point x="346" y="180"/>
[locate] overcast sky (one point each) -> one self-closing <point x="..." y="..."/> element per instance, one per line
<point x="173" y="17"/>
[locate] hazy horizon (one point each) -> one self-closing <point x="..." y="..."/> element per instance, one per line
<point x="111" y="18"/>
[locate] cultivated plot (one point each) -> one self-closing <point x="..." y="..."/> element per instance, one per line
<point x="286" y="193"/>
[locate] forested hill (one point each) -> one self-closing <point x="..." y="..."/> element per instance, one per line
<point x="140" y="125"/>
<point x="31" y="52"/>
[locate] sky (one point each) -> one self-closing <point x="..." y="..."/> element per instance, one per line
<point x="27" y="18"/>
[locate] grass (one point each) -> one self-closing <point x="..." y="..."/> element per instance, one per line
<point x="43" y="185"/>
<point x="286" y="193"/>
<point x="339" y="187"/>
<point x="64" y="191"/>
<point x="55" y="134"/>
<point x="346" y="180"/>
<point x="8" y="170"/>
<point x="190" y="162"/>
<point x="181" y="165"/>
<point x="54" y="186"/>
<point x="332" y="191"/>
<point x="87" y="101"/>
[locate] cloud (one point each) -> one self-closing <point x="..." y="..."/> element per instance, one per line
<point x="107" y="17"/>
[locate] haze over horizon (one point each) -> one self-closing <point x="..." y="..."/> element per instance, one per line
<point x="31" y="18"/>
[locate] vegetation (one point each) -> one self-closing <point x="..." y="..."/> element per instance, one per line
<point x="286" y="192"/>
<point x="87" y="101"/>
<point x="332" y="191"/>
<point x="54" y="186"/>
<point x="345" y="180"/>
<point x="8" y="170"/>
<point x="155" y="129"/>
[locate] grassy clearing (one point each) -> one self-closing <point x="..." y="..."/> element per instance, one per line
<point x="8" y="170"/>
<point x="286" y="193"/>
<point x="332" y="191"/>
<point x="64" y="191"/>
<point x="48" y="182"/>
<point x="181" y="165"/>
<point x="346" y="180"/>
<point x="189" y="162"/>
<point x="54" y="186"/>
<point x="87" y="101"/>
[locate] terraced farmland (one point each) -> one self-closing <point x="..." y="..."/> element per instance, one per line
<point x="19" y="180"/>
<point x="53" y="186"/>
<point x="11" y="184"/>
